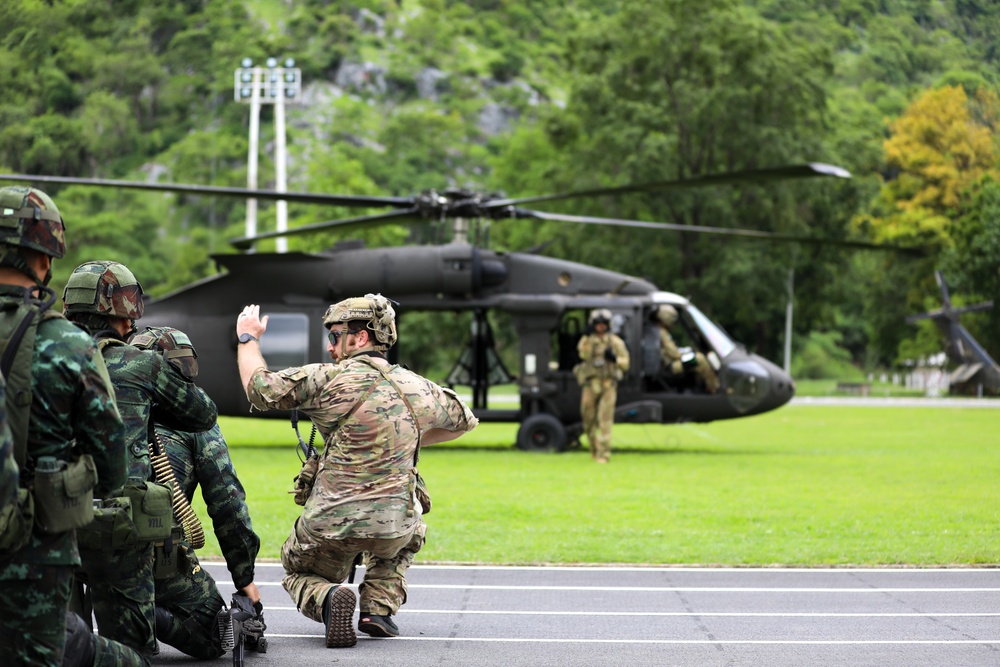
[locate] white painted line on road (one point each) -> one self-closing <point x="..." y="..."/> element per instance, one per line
<point x="698" y="589"/>
<point x="680" y="568"/>
<point x="734" y="614"/>
<point x="802" y="642"/>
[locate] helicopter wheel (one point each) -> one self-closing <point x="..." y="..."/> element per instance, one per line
<point x="542" y="432"/>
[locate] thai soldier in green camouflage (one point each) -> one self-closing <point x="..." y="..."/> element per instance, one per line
<point x="674" y="361"/>
<point x="373" y="416"/>
<point x="188" y="603"/>
<point x="603" y="361"/>
<point x="9" y="473"/>
<point x="105" y="298"/>
<point x="72" y="413"/>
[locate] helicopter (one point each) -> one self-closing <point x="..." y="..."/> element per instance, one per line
<point x="546" y="299"/>
<point x="975" y="370"/>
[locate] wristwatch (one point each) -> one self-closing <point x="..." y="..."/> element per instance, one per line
<point x="246" y="338"/>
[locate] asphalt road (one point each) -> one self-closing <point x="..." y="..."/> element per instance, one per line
<point x="582" y="616"/>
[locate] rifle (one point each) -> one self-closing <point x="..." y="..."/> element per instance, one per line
<point x="244" y="629"/>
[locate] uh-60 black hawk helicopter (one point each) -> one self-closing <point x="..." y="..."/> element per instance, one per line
<point x="546" y="299"/>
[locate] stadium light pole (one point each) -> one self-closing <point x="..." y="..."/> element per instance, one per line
<point x="267" y="85"/>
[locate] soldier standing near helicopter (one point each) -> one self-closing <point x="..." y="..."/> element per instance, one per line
<point x="603" y="362"/>
<point x="363" y="495"/>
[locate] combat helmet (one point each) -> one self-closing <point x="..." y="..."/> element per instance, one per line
<point x="103" y="288"/>
<point x="666" y="314"/>
<point x="599" y="315"/>
<point x="374" y="309"/>
<point x="29" y="219"/>
<point x="173" y="345"/>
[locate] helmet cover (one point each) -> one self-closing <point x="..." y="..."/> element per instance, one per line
<point x="600" y="315"/>
<point x="667" y="315"/>
<point x="29" y="219"/>
<point x="374" y="309"/>
<point x="103" y="288"/>
<point x="173" y="345"/>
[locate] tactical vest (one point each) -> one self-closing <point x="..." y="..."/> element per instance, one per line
<point x="59" y="497"/>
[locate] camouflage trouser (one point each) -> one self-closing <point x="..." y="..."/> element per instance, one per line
<point x="313" y="566"/>
<point x="121" y="584"/>
<point x="597" y="407"/>
<point x="194" y="600"/>
<point x="33" y="615"/>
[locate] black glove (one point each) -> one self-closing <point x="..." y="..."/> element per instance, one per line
<point x="609" y="355"/>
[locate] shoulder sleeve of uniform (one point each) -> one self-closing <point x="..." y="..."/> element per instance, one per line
<point x="296" y="387"/>
<point x="179" y="403"/>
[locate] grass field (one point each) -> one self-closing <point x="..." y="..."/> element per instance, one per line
<point x="799" y="486"/>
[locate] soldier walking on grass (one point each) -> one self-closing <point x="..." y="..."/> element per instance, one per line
<point x="362" y="498"/>
<point x="603" y="361"/>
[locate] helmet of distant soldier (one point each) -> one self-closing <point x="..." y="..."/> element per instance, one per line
<point x="599" y="315"/>
<point x="173" y="345"/>
<point x="29" y="219"/>
<point x="373" y="309"/>
<point x="666" y="314"/>
<point x="103" y="288"/>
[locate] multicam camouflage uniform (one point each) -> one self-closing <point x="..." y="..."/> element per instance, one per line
<point x="363" y="497"/>
<point x="671" y="355"/>
<point x="147" y="389"/>
<point x="193" y="600"/>
<point x="72" y="413"/>
<point x="599" y="378"/>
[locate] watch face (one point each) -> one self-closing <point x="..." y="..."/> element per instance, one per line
<point x="246" y="338"/>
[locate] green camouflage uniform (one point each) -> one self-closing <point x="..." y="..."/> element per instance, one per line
<point x="599" y="380"/>
<point x="9" y="473"/>
<point x="72" y="403"/>
<point x="362" y="499"/>
<point x="147" y="389"/>
<point x="202" y="459"/>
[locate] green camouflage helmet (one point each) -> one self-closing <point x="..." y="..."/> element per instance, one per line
<point x="374" y="309"/>
<point x="173" y="345"/>
<point x="30" y="219"/>
<point x="103" y="288"/>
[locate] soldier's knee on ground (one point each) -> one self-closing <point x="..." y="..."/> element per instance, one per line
<point x="80" y="642"/>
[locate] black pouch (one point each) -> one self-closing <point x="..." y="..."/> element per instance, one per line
<point x="420" y="489"/>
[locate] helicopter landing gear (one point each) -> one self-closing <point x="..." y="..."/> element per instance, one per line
<point x="542" y="432"/>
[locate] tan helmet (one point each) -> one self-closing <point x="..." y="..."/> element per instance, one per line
<point x="667" y="315"/>
<point x="374" y="309"/>
<point x="600" y="315"/>
<point x="173" y="345"/>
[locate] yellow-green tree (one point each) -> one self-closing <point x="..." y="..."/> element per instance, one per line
<point x="942" y="144"/>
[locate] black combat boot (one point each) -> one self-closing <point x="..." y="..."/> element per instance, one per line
<point x="377" y="626"/>
<point x="338" y="615"/>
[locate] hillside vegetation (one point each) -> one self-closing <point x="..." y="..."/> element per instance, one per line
<point x="536" y="96"/>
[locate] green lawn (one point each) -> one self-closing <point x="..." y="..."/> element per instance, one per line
<point x="802" y="485"/>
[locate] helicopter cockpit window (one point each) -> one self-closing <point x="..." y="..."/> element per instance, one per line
<point x="715" y="336"/>
<point x="287" y="341"/>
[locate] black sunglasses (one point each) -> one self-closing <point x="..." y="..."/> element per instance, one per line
<point x="334" y="336"/>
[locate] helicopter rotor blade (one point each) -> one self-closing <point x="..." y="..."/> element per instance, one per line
<point x="809" y="170"/>
<point x="723" y="231"/>
<point x="219" y="191"/>
<point x="345" y="223"/>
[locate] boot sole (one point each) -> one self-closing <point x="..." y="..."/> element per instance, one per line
<point x="340" y="629"/>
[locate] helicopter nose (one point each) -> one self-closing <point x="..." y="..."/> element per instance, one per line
<point x="756" y="385"/>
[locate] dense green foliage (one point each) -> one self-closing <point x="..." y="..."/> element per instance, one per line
<point x="535" y="96"/>
<point x="868" y="486"/>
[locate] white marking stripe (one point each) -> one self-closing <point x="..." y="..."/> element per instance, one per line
<point x="522" y="640"/>
<point x="680" y="589"/>
<point x="756" y="614"/>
